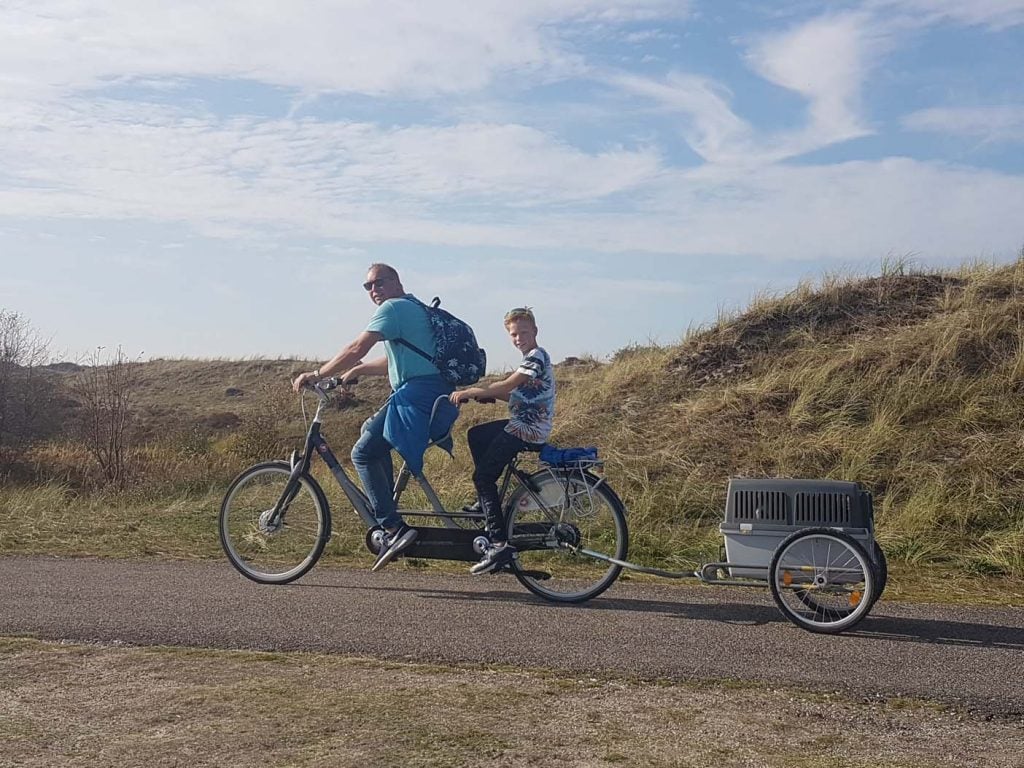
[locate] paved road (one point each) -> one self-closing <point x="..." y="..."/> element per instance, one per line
<point x="971" y="657"/>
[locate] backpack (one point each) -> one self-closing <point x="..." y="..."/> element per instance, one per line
<point x="458" y="357"/>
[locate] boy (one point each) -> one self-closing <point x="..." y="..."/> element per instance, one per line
<point x="530" y="392"/>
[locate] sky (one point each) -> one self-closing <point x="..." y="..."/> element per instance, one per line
<point x="196" y="179"/>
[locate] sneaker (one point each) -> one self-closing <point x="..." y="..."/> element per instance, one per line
<point x="473" y="508"/>
<point x="394" y="544"/>
<point x="496" y="557"/>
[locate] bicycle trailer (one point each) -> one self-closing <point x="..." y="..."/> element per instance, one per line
<point x="760" y="513"/>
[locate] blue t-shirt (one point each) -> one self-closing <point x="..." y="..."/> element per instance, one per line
<point x="401" y="318"/>
<point x="531" y="405"/>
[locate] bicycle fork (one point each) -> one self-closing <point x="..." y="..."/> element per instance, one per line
<point x="291" y="489"/>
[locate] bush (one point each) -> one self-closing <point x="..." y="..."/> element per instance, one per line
<point x="25" y="392"/>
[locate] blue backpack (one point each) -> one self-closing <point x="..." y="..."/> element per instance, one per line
<point x="458" y="357"/>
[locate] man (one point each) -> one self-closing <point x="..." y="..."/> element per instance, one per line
<point x="403" y="422"/>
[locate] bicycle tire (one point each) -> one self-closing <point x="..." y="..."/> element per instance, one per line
<point x="271" y="553"/>
<point x="822" y="580"/>
<point x="881" y="569"/>
<point x="579" y="511"/>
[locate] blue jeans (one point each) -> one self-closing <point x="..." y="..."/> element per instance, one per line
<point x="371" y="456"/>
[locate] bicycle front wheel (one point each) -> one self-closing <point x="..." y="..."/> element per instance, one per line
<point x="562" y="528"/>
<point x="274" y="528"/>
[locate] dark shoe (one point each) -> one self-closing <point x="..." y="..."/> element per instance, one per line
<point x="495" y="558"/>
<point x="394" y="544"/>
<point x="473" y="508"/>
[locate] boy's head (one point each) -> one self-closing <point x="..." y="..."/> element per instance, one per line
<point x="522" y="328"/>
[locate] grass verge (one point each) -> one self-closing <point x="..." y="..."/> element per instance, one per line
<point x="71" y="705"/>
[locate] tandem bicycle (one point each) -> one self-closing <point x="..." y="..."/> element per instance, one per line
<point x="566" y="523"/>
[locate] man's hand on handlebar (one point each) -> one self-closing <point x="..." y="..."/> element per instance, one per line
<point x="311" y="378"/>
<point x="305" y="379"/>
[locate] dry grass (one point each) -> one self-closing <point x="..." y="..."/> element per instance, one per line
<point x="912" y="384"/>
<point x="65" y="705"/>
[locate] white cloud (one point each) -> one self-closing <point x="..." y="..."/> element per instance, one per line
<point x="108" y="159"/>
<point x="364" y="46"/>
<point x="483" y="183"/>
<point x="519" y="165"/>
<point x="826" y="60"/>
<point x="648" y="35"/>
<point x="995" y="14"/>
<point x="712" y="129"/>
<point x="1003" y="123"/>
<point x="270" y="182"/>
<point x="842" y="212"/>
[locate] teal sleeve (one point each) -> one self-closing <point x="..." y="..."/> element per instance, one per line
<point x="384" y="321"/>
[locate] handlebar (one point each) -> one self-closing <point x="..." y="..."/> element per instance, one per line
<point x="478" y="399"/>
<point x="326" y="385"/>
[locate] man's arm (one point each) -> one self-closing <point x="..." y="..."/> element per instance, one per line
<point x="378" y="367"/>
<point x="350" y="355"/>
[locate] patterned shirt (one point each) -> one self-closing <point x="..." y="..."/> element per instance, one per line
<point x="531" y="405"/>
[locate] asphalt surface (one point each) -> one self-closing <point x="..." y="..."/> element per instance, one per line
<point x="971" y="657"/>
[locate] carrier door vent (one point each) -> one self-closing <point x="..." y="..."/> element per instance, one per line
<point x="823" y="509"/>
<point x="767" y="506"/>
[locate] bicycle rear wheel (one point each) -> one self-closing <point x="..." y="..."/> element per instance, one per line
<point x="273" y="528"/>
<point x="569" y="517"/>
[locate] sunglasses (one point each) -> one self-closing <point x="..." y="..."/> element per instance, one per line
<point x="369" y="285"/>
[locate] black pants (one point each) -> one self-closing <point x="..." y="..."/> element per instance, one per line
<point x="493" y="448"/>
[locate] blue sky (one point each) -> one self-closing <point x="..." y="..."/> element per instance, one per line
<point x="212" y="179"/>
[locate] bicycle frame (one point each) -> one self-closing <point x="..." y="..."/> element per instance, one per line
<point x="316" y="444"/>
<point x="451" y="541"/>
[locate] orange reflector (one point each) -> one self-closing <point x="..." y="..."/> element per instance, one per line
<point x="787" y="578"/>
<point x="855" y="598"/>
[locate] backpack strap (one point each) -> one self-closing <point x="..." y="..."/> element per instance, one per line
<point x="408" y="344"/>
<point x="414" y="348"/>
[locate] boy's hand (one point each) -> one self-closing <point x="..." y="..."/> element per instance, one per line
<point x="462" y="396"/>
<point x="351" y="376"/>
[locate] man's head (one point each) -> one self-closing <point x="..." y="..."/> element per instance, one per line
<point x="383" y="283"/>
<point x="522" y="328"/>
